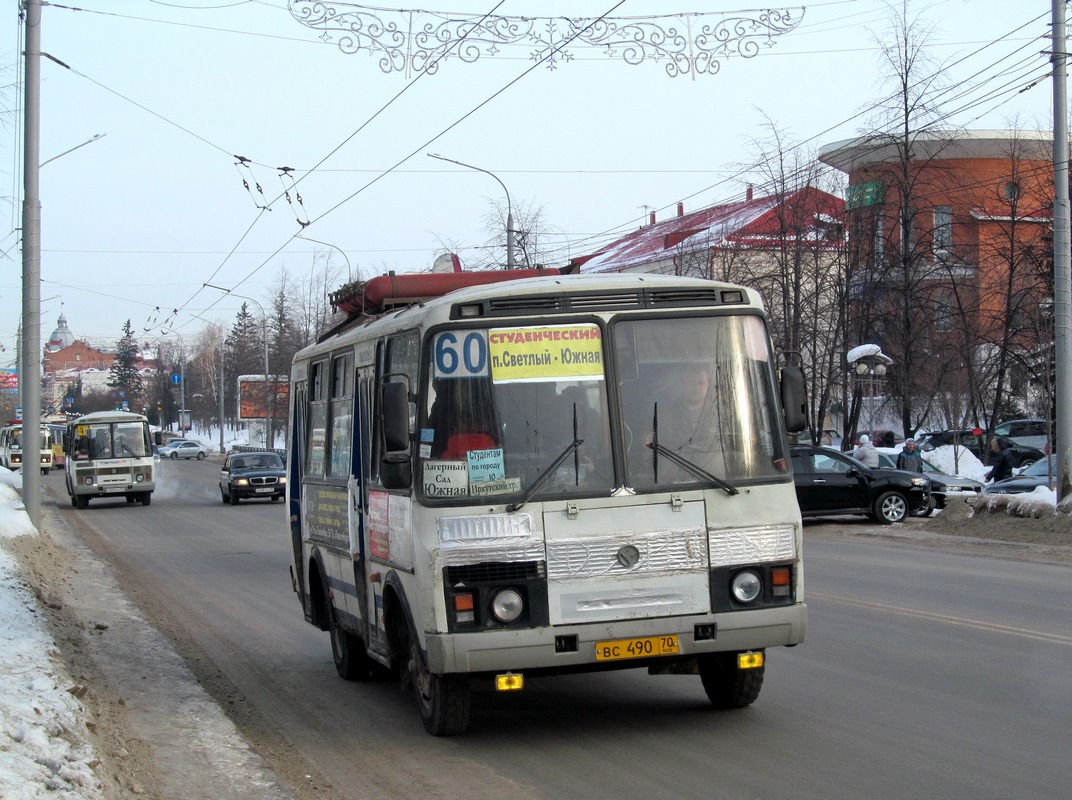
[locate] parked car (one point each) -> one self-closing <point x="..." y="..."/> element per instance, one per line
<point x="830" y="483"/>
<point x="257" y="474"/>
<point x="1025" y="432"/>
<point x="183" y="448"/>
<point x="1021" y="456"/>
<point x="1041" y="473"/>
<point x="943" y="487"/>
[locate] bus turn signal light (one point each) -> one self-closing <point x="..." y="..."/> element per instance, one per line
<point x="780" y="581"/>
<point x="463" y="607"/>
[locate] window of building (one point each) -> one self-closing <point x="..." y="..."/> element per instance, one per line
<point x="943" y="312"/>
<point x="943" y="229"/>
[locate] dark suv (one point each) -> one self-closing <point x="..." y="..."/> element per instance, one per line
<point x="831" y="483"/>
<point x="1021" y="455"/>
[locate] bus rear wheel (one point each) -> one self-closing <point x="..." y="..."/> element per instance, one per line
<point x="726" y="684"/>
<point x="348" y="651"/>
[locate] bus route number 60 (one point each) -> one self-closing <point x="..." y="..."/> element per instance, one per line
<point x="461" y="354"/>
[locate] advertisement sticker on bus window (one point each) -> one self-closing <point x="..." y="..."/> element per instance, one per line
<point x="485" y="465"/>
<point x="545" y="353"/>
<point x="446" y="478"/>
<point x="460" y="354"/>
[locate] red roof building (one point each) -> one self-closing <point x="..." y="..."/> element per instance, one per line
<point x="689" y="244"/>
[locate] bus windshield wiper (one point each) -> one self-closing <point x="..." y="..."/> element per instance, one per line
<point x="695" y="469"/>
<point x="540" y="481"/>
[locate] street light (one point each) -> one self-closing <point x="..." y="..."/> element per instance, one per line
<point x="349" y="272"/>
<point x="264" y="335"/>
<point x="869" y="364"/>
<point x="509" y="206"/>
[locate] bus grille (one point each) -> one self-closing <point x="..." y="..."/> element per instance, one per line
<point x="495" y="572"/>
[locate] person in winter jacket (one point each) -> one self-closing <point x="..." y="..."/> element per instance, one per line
<point x="909" y="458"/>
<point x="866" y="452"/>
<point x="1000" y="460"/>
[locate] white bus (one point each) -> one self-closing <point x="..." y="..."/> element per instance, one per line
<point x="12" y="448"/>
<point x="109" y="454"/>
<point x="509" y="480"/>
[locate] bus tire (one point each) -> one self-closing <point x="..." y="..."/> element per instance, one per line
<point x="74" y="501"/>
<point x="146" y="498"/>
<point x="81" y="501"/>
<point x="727" y="685"/>
<point x="442" y="700"/>
<point x="348" y="651"/>
<point x="131" y="498"/>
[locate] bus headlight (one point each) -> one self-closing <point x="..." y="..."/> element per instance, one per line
<point x="507" y="605"/>
<point x="139" y="478"/>
<point x="88" y="480"/>
<point x="746" y="586"/>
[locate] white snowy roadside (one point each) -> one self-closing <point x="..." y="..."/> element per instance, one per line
<point x="45" y="748"/>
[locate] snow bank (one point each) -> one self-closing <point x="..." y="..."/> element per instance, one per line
<point x="43" y="748"/>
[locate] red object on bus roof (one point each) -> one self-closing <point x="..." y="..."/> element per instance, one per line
<point x="376" y="295"/>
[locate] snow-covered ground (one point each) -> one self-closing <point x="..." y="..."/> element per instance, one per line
<point x="45" y="750"/>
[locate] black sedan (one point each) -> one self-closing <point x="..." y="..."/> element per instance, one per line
<point x="246" y="475"/>
<point x="1041" y="473"/>
<point x="830" y="483"/>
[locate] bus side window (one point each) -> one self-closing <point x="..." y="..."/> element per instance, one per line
<point x="316" y="443"/>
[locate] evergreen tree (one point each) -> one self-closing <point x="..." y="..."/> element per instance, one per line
<point x="125" y="380"/>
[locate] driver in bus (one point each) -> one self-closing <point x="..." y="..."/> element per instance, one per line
<point x="688" y="426"/>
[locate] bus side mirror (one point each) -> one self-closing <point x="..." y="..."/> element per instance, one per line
<point x="394" y="405"/>
<point x="794" y="391"/>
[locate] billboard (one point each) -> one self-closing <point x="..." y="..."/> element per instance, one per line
<point x="9" y="381"/>
<point x="253" y="397"/>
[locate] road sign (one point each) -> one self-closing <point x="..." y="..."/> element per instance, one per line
<point x="176" y="378"/>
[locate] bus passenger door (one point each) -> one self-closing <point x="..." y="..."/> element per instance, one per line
<point x="295" y="449"/>
<point x="376" y="637"/>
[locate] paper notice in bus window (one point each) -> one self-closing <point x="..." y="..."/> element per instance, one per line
<point x="446" y="478"/>
<point x="546" y="353"/>
<point x="505" y="486"/>
<point x="485" y="465"/>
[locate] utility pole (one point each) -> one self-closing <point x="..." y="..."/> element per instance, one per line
<point x="30" y="377"/>
<point x="1062" y="255"/>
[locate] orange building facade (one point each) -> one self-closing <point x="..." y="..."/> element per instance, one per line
<point x="951" y="253"/>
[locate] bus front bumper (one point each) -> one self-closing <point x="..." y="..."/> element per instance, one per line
<point x="534" y="649"/>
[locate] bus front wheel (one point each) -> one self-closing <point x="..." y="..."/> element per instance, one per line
<point x="442" y="700"/>
<point x="81" y="501"/>
<point x="726" y="684"/>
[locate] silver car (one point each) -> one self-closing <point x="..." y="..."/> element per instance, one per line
<point x="184" y="448"/>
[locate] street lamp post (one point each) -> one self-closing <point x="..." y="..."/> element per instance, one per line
<point x="349" y="271"/>
<point x="869" y="365"/>
<point x="509" y="206"/>
<point x="268" y="397"/>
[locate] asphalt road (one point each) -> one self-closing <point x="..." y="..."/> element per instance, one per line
<point x="925" y="674"/>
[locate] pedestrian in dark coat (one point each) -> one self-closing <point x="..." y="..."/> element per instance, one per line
<point x="1000" y="460"/>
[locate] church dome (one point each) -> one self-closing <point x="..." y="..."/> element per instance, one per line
<point x="61" y="337"/>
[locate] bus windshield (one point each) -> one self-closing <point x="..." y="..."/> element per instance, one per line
<point x="525" y="411"/>
<point x="110" y="440"/>
<point x="698" y="398"/>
